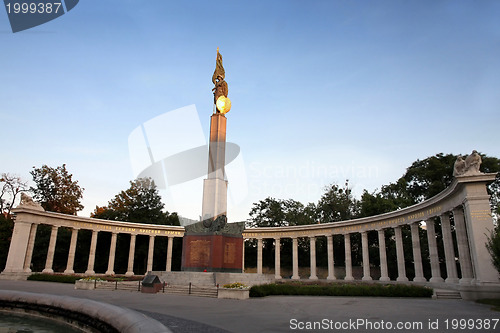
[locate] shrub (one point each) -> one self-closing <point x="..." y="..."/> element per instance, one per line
<point x="337" y="289"/>
<point x="490" y="301"/>
<point x="236" y="285"/>
<point x="53" y="278"/>
<point x="493" y="246"/>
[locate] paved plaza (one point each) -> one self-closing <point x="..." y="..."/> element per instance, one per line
<point x="282" y="313"/>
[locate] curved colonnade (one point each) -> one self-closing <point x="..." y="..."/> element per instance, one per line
<point x="465" y="200"/>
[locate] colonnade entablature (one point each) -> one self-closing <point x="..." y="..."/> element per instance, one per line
<point x="466" y="200"/>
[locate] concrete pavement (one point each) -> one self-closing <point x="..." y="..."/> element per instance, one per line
<point x="285" y="313"/>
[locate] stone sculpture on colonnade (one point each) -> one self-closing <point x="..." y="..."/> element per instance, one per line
<point x="468" y="167"/>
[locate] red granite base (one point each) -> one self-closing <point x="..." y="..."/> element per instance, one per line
<point x="212" y="253"/>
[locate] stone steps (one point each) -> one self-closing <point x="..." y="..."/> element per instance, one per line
<point x="447" y="294"/>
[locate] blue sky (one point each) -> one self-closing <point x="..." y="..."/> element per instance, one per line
<point x="321" y="91"/>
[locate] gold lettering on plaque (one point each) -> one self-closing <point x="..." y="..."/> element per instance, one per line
<point x="200" y="252"/>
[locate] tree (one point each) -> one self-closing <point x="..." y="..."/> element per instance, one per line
<point x="140" y="203"/>
<point x="337" y="204"/>
<point x="56" y="190"/>
<point x="6" y="227"/>
<point x="9" y="191"/>
<point x="493" y="246"/>
<point x="272" y="212"/>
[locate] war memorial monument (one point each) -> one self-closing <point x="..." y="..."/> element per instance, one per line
<point x="213" y="249"/>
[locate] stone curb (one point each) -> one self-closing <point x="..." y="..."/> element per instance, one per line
<point x="121" y="319"/>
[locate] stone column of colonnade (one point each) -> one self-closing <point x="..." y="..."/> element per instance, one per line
<point x="30" y="244"/>
<point x="29" y="250"/>
<point x="452" y="276"/>
<point x="51" y="250"/>
<point x="72" y="250"/>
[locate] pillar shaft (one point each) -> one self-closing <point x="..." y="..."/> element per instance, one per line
<point x="277" y="258"/>
<point x="243" y="257"/>
<point x="295" y="258"/>
<point x="433" y="252"/>
<point x="384" y="275"/>
<point x="331" y="263"/>
<point x="93" y="244"/>
<point x="71" y="254"/>
<point x="400" y="255"/>
<point x="463" y="246"/>
<point x="449" y="251"/>
<point x="169" y="253"/>
<point x="52" y="248"/>
<point x="29" y="250"/>
<point x="366" y="256"/>
<point x="215" y="186"/>
<point x="131" y="254"/>
<point x="150" y="253"/>
<point x="348" y="259"/>
<point x="312" y="249"/>
<point x="111" y="259"/>
<point x="259" y="255"/>
<point x="417" y="254"/>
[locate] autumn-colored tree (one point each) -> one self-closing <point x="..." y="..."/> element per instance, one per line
<point x="56" y="190"/>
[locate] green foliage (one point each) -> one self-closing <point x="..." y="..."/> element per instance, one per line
<point x="337" y="204"/>
<point x="6" y="227"/>
<point x="56" y="190"/>
<point x="272" y="212"/>
<point x="493" y="246"/>
<point x="426" y="178"/>
<point x="53" y="278"/>
<point x="339" y="289"/>
<point x="140" y="203"/>
<point x="491" y="301"/>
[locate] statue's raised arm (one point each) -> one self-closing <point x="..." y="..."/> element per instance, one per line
<point x="219" y="72"/>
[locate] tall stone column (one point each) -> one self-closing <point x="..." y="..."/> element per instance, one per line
<point x="112" y="251"/>
<point x="433" y="252"/>
<point x="72" y="250"/>
<point x="295" y="258"/>
<point x="463" y="246"/>
<point x="150" y="253"/>
<point x="331" y="263"/>
<point x="384" y="275"/>
<point x="215" y="186"/>
<point x="400" y="255"/>
<point x="348" y="258"/>
<point x="312" y="249"/>
<point x="366" y="257"/>
<point x="131" y="254"/>
<point x="29" y="250"/>
<point x="259" y="255"/>
<point x="51" y="251"/>
<point x="449" y="250"/>
<point x="277" y="258"/>
<point x="417" y="255"/>
<point x="93" y="244"/>
<point x="169" y="254"/>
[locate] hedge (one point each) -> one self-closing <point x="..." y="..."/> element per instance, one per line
<point x="54" y="278"/>
<point x="337" y="289"/>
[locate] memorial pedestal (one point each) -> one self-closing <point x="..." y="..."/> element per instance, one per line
<point x="212" y="253"/>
